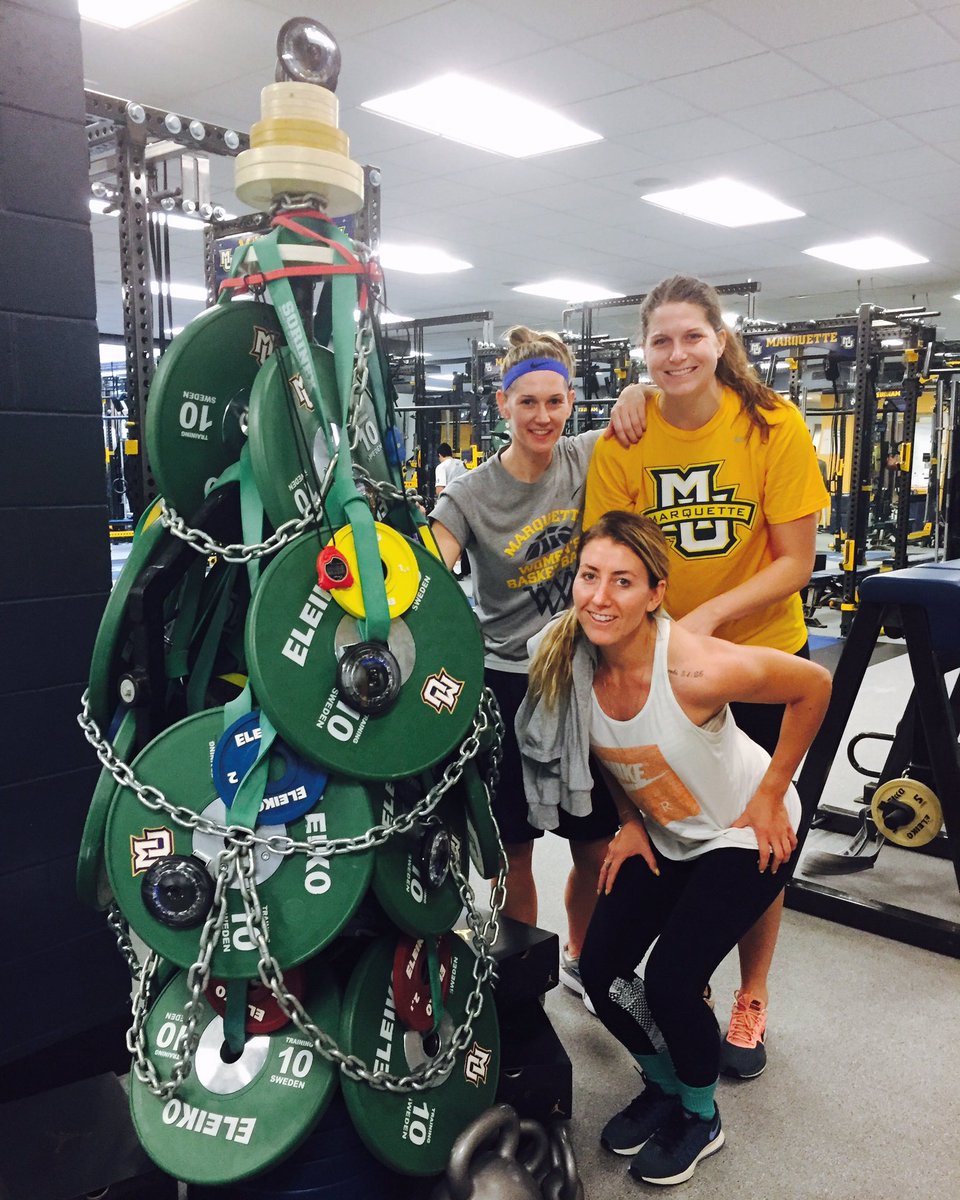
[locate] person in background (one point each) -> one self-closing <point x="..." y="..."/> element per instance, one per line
<point x="728" y="471"/>
<point x="701" y="808"/>
<point x="517" y="517"/>
<point x="448" y="468"/>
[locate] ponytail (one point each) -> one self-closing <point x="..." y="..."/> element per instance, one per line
<point x="551" y="669"/>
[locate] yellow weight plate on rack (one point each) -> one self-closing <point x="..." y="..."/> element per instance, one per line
<point x="907" y="812"/>
<point x="401" y="575"/>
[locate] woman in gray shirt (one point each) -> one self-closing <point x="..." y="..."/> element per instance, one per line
<point x="517" y="516"/>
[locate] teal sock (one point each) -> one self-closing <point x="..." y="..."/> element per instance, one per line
<point x="658" y="1069"/>
<point x="698" y="1100"/>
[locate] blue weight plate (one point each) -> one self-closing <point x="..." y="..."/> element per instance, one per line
<point x="286" y="797"/>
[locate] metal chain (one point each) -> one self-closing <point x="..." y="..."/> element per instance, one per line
<point x="377" y="835"/>
<point x="198" y="976"/>
<point x="236" y="860"/>
<point x="350" y="1065"/>
<point x="121" y="931"/>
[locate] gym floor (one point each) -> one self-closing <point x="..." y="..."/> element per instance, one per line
<point x="859" y="1098"/>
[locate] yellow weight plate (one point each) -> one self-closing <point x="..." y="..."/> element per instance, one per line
<point x="269" y="171"/>
<point x="289" y="131"/>
<point x="401" y="575"/>
<point x="307" y="101"/>
<point x="907" y="812"/>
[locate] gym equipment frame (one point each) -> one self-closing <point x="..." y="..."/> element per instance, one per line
<point x="923" y="602"/>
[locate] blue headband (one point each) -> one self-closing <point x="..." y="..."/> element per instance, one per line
<point x="535" y="364"/>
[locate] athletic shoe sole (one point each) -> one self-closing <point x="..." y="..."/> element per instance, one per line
<point x="709" y="1148"/>
<point x="570" y="981"/>
<point x="733" y="1073"/>
<point x="625" y="1152"/>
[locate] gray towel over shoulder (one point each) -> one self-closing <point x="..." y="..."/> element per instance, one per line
<point x="555" y="746"/>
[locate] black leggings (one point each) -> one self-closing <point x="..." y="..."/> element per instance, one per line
<point x="696" y="910"/>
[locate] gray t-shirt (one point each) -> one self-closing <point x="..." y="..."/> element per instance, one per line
<point x="522" y="541"/>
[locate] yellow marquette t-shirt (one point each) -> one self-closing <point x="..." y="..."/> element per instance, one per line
<point x="714" y="491"/>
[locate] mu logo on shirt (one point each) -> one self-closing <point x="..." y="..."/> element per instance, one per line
<point x="698" y="515"/>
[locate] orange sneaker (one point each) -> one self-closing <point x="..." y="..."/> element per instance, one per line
<point x="742" y="1052"/>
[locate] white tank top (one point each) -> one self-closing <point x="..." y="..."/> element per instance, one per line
<point x="689" y="781"/>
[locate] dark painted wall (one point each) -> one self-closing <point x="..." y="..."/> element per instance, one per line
<point x="60" y="972"/>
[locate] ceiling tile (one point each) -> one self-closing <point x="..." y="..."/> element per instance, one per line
<point x="757" y="79"/>
<point x="794" y="116"/>
<point x="793" y="22"/>
<point x="905" y="92"/>
<point x="910" y="166"/>
<point x="939" y="126"/>
<point x="675" y="44"/>
<point x="850" y="57"/>
<point x="689" y="139"/>
<point x="456" y="36"/>
<point x="633" y="110"/>
<point x="572" y="20"/>
<point x="833" y="146"/>
<point x="558" y="76"/>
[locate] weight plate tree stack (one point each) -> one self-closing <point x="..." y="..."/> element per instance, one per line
<point x="309" y="840"/>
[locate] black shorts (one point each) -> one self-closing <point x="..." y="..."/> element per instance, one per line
<point x="510" y="802"/>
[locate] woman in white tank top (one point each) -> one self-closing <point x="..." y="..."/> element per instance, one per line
<point x="707" y="817"/>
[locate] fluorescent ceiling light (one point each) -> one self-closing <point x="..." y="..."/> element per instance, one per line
<point x="420" y="260"/>
<point x="389" y="318"/>
<point x="125" y="14"/>
<point x="730" y="318"/>
<point x="181" y="291"/>
<point x="479" y="114"/>
<point x="892" y="342"/>
<point x="866" y="254"/>
<point x="573" y="291"/>
<point x="724" y="202"/>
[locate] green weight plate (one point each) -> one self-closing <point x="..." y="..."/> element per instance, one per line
<point x="413" y="1132"/>
<point x="306" y="901"/>
<point x="294" y="631"/>
<point x="199" y="398"/>
<point x="369" y="452"/>
<point x="106" y="664"/>
<point x="232" y="1119"/>
<point x="483" y="836"/>
<point x="93" y="887"/>
<point x="288" y="447"/>
<point x="399" y="879"/>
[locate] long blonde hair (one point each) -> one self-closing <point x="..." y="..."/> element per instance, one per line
<point x="733" y="369"/>
<point x="532" y="343"/>
<point x="551" y="668"/>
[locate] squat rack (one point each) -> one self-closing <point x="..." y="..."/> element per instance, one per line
<point x="857" y="340"/>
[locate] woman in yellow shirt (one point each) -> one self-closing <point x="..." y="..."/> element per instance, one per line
<point x="728" y="471"/>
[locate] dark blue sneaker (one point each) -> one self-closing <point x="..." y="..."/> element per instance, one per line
<point x="672" y="1153"/>
<point x="627" y="1132"/>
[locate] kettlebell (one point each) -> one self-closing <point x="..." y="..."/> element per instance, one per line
<point x="562" y="1181"/>
<point x="477" y="1172"/>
